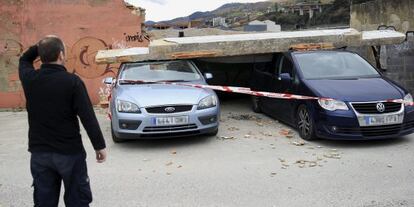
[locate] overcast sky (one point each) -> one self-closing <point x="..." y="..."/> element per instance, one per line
<point x="158" y="10"/>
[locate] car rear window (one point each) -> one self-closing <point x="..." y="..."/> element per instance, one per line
<point x="334" y="65"/>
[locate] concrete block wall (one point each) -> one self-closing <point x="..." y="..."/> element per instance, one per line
<point x="400" y="63"/>
<point x="396" y="14"/>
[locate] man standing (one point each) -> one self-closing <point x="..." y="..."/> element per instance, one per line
<point x="54" y="100"/>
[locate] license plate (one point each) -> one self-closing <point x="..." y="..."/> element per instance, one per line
<point x="383" y="120"/>
<point x="164" y="121"/>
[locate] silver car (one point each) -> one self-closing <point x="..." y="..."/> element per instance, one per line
<point x="144" y="107"/>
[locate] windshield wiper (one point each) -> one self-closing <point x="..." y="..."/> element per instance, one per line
<point x="133" y="82"/>
<point x="172" y="81"/>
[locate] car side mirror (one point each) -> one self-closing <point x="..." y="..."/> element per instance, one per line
<point x="109" y="80"/>
<point x="285" y="77"/>
<point x="208" y="75"/>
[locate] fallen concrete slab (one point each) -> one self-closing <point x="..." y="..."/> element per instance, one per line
<point x="246" y="44"/>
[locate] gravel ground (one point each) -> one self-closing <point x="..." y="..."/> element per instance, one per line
<point x="254" y="161"/>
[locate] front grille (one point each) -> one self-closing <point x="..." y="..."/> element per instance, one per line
<point x="173" y="134"/>
<point x="170" y="128"/>
<point x="373" y="131"/>
<point x="371" y="108"/>
<point x="162" y="109"/>
<point x="345" y="130"/>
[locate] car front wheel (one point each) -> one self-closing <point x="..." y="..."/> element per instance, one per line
<point x="305" y="123"/>
<point x="115" y="138"/>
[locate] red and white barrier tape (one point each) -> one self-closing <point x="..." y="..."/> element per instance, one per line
<point x="248" y="91"/>
<point x="399" y="101"/>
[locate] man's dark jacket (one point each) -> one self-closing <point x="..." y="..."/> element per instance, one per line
<point x="54" y="100"/>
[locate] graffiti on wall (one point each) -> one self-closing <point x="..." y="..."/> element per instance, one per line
<point x="138" y="37"/>
<point x="10" y="51"/>
<point x="81" y="58"/>
<point x="10" y="47"/>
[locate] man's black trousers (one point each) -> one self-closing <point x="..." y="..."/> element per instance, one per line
<point x="50" y="169"/>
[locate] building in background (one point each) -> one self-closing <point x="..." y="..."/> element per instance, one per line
<point x="196" y="24"/>
<point x="219" y="22"/>
<point x="262" y="26"/>
<point x="305" y="7"/>
<point x="86" y="26"/>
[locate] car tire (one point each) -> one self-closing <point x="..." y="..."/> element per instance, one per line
<point x="213" y="133"/>
<point x="256" y="105"/>
<point x="305" y="123"/>
<point x="115" y="138"/>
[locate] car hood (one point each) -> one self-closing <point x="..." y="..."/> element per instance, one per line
<point x="367" y="89"/>
<point x="161" y="94"/>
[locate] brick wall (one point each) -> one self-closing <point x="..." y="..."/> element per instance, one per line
<point x="86" y="26"/>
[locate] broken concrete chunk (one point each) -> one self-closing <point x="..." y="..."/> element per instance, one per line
<point x="298" y="143"/>
<point x="246" y="44"/>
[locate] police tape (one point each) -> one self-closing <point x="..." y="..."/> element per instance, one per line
<point x="401" y="101"/>
<point x="248" y="91"/>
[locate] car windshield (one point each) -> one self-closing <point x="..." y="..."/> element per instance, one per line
<point x="334" y="65"/>
<point x="173" y="71"/>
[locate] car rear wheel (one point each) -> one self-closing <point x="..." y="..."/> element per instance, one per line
<point x="305" y="123"/>
<point x="115" y="138"/>
<point x="256" y="104"/>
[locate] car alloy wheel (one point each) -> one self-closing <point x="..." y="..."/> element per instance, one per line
<point x="305" y="123"/>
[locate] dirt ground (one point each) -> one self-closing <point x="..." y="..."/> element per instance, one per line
<point x="254" y="161"/>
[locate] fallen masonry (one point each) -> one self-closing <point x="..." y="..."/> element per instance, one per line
<point x="246" y="44"/>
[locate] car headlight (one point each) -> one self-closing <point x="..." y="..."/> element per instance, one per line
<point x="207" y="102"/>
<point x="408" y="100"/>
<point x="127" y="107"/>
<point x="332" y="105"/>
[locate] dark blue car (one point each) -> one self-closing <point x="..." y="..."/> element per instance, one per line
<point x="359" y="109"/>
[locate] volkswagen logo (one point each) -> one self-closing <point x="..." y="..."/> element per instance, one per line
<point x="380" y="107"/>
<point x="169" y="109"/>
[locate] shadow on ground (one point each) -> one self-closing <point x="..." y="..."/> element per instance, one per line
<point x="363" y="143"/>
<point x="166" y="143"/>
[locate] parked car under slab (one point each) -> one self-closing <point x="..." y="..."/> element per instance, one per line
<point x="142" y="106"/>
<point x="359" y="109"/>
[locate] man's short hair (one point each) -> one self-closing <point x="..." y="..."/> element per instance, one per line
<point x="49" y="49"/>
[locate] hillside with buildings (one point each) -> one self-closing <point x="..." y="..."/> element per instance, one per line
<point x="272" y="15"/>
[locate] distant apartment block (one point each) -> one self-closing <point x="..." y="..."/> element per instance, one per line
<point x="262" y="26"/>
<point x="219" y="22"/>
<point x="306" y="7"/>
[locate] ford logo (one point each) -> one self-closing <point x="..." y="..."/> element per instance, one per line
<point x="380" y="107"/>
<point x="169" y="109"/>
